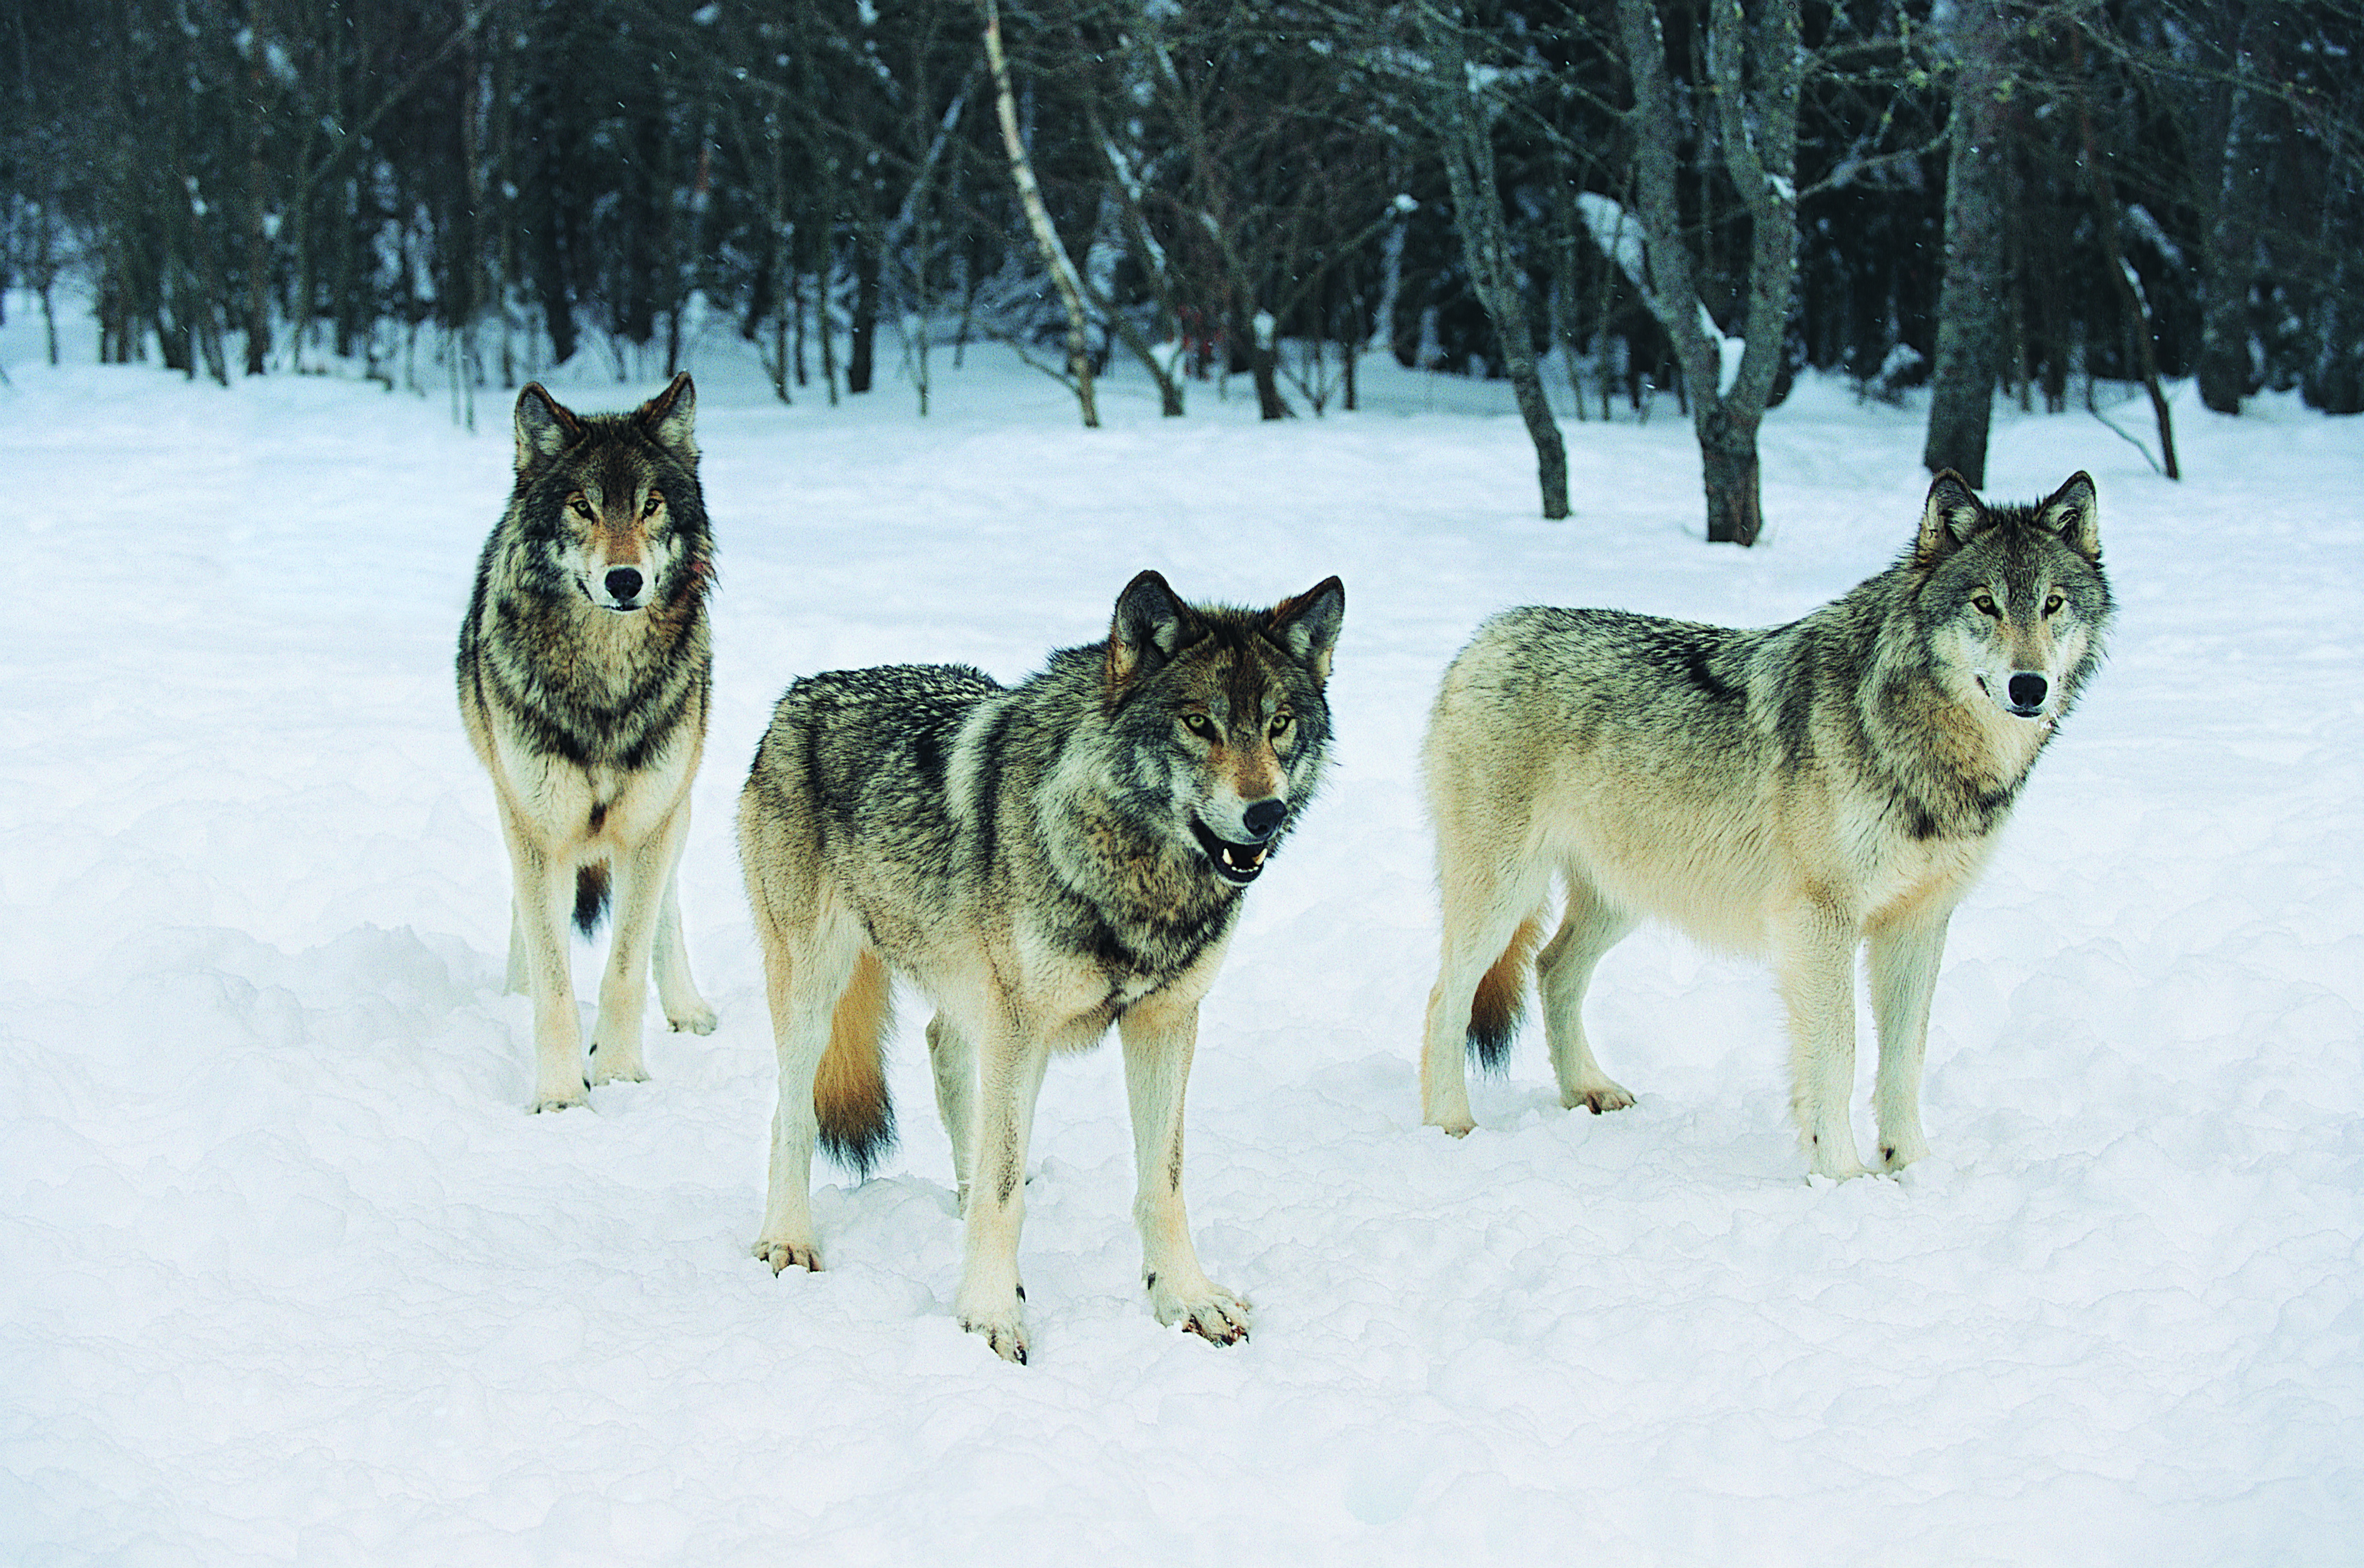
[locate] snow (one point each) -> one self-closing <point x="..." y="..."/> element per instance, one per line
<point x="292" y="1276"/>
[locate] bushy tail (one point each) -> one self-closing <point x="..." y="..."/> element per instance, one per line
<point x="590" y="897"/>
<point x="857" y="1119"/>
<point x="1501" y="999"/>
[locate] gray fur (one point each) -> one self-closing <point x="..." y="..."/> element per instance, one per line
<point x="1793" y="792"/>
<point x="585" y="673"/>
<point x="1042" y="862"/>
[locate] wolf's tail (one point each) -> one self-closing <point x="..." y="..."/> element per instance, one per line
<point x="590" y="897"/>
<point x="1501" y="997"/>
<point x="857" y="1119"/>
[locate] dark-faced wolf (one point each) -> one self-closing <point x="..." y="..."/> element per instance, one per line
<point x="1040" y="860"/>
<point x="584" y="667"/>
<point x="1792" y="793"/>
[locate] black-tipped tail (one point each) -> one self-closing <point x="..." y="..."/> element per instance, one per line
<point x="590" y="898"/>
<point x="1500" y="1002"/>
<point x="850" y="1099"/>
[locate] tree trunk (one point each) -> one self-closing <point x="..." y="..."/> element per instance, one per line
<point x="1465" y="130"/>
<point x="1038" y="218"/>
<point x="1961" y="392"/>
<point x="2227" y="371"/>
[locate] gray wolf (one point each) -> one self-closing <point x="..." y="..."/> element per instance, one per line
<point x="1792" y="793"/>
<point x="585" y="669"/>
<point x="1040" y="860"/>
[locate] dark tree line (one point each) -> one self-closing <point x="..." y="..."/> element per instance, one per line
<point x="1683" y="198"/>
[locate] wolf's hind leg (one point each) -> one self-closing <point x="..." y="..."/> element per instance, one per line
<point x="642" y="873"/>
<point x="519" y="982"/>
<point x="1903" y="966"/>
<point x="1590" y="927"/>
<point x="1813" y="957"/>
<point x="954" y="1062"/>
<point x="802" y="982"/>
<point x="676" y="991"/>
<point x="1479" y="924"/>
<point x="1158" y="1046"/>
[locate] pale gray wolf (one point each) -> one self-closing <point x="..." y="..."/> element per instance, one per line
<point x="1792" y="793"/>
<point x="1041" y="861"/>
<point x="585" y="671"/>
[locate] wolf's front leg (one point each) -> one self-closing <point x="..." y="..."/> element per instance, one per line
<point x="1903" y="966"/>
<point x="1159" y="1042"/>
<point x="615" y="1053"/>
<point x="543" y="890"/>
<point x="1813" y="958"/>
<point x="991" y="1301"/>
<point x="676" y="991"/>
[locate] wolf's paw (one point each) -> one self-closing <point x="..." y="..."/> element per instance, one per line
<point x="1895" y="1153"/>
<point x="560" y="1099"/>
<point x="780" y="1252"/>
<point x="1212" y="1313"/>
<point x="1460" y="1126"/>
<point x="1598" y="1097"/>
<point x="697" y="1019"/>
<point x="1003" y="1328"/>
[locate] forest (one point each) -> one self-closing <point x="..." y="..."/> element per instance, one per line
<point x="1684" y="200"/>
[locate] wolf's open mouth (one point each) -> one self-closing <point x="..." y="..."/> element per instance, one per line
<point x="1234" y="862"/>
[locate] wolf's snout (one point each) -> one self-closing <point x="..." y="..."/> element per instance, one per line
<point x="1264" y="818"/>
<point x="623" y="584"/>
<point x="2026" y="690"/>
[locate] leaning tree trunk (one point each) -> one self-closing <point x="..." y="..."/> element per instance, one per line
<point x="1466" y="137"/>
<point x="1038" y="218"/>
<point x="1961" y="388"/>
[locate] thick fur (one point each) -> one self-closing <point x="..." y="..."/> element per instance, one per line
<point x="1042" y="861"/>
<point x="1793" y="792"/>
<point x="585" y="671"/>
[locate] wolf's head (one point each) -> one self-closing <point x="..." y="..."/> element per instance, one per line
<point x="609" y="504"/>
<point x="2012" y="598"/>
<point x="1220" y="715"/>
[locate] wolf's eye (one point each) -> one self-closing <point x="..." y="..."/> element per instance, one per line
<point x="648" y="508"/>
<point x="1984" y="603"/>
<point x="1280" y="723"/>
<point x="2052" y="606"/>
<point x="578" y="505"/>
<point x="1200" y="724"/>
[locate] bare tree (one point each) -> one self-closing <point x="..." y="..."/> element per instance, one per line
<point x="1038" y="219"/>
<point x="1752" y="72"/>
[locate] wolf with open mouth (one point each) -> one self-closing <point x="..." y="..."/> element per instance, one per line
<point x="1042" y="861"/>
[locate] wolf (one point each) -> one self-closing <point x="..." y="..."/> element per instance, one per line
<point x="1792" y="793"/>
<point x="584" y="672"/>
<point x="1040" y="860"/>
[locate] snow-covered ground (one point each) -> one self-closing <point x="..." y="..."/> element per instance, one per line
<point x="288" y="1275"/>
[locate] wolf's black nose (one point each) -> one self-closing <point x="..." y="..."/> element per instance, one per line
<point x="623" y="583"/>
<point x="1264" y="817"/>
<point x="2027" y="690"/>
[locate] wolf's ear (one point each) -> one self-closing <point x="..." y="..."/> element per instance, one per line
<point x="2074" y="513"/>
<point x="1951" y="518"/>
<point x="670" y="416"/>
<point x="1150" y="627"/>
<point x="544" y="428"/>
<point x="1306" y="626"/>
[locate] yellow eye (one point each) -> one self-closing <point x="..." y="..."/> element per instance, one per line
<point x="1280" y="723"/>
<point x="2052" y="606"/>
<point x="648" y="508"/>
<point x="580" y="507"/>
<point x="1200" y="724"/>
<point x="1984" y="603"/>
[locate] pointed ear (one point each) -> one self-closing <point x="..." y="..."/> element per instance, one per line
<point x="1150" y="627"/>
<point x="670" y="416"/>
<point x="1306" y="626"/>
<point x="544" y="428"/>
<point x="1952" y="515"/>
<point x="2074" y="513"/>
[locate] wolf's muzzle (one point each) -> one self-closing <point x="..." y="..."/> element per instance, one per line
<point x="1237" y="863"/>
<point x="2021" y="697"/>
